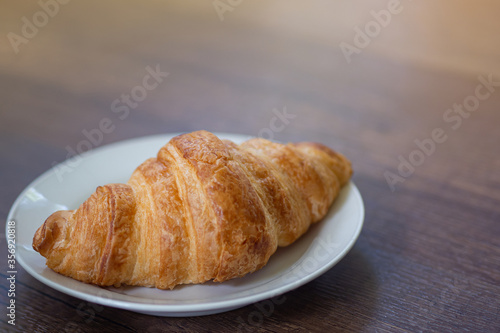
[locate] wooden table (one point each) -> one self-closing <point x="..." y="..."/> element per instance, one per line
<point x="409" y="91"/>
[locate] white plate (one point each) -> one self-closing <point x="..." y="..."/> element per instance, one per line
<point x="66" y="186"/>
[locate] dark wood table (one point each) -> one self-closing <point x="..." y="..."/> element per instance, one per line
<point x="409" y="91"/>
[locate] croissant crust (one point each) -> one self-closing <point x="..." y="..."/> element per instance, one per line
<point x="202" y="209"/>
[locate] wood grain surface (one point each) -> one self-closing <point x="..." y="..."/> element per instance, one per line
<point x="408" y="90"/>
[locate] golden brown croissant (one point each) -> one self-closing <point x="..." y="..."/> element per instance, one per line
<point x="203" y="209"/>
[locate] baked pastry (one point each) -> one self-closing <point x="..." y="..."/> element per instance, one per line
<point x="203" y="209"/>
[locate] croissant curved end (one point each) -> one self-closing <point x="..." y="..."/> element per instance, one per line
<point x="346" y="169"/>
<point x="47" y="235"/>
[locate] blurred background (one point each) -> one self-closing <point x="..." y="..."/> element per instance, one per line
<point x="231" y="63"/>
<point x="366" y="78"/>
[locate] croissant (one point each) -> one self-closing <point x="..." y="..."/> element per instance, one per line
<point x="203" y="209"/>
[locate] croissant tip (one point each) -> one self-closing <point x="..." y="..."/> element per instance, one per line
<point x="48" y="233"/>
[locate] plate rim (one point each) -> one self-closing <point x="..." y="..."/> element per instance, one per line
<point x="191" y="308"/>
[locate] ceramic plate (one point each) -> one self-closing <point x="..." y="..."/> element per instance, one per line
<point x="67" y="185"/>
